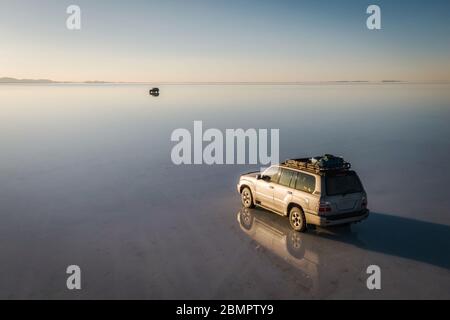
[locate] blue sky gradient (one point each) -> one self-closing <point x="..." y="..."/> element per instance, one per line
<point x="177" y="41"/>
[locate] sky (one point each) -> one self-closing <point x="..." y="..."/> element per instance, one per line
<point x="229" y="41"/>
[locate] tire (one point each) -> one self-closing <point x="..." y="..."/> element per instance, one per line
<point x="297" y="219"/>
<point x="247" y="198"/>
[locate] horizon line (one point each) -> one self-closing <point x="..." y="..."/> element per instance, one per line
<point x="11" y="80"/>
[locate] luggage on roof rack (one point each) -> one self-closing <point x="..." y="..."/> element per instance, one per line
<point x="319" y="164"/>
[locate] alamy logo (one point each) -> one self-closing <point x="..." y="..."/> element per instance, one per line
<point x="73" y="22"/>
<point x="374" y="20"/>
<point x="74" y="280"/>
<point x="374" y="280"/>
<point x="228" y="149"/>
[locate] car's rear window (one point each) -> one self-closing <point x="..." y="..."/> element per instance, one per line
<point x="344" y="183"/>
<point x="306" y="182"/>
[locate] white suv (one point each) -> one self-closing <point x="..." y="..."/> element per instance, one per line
<point x="320" y="191"/>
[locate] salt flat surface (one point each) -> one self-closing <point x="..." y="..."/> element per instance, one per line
<point x="86" y="179"/>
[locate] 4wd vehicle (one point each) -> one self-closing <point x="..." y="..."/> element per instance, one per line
<point x="319" y="191"/>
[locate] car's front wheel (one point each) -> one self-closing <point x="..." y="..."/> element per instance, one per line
<point x="297" y="219"/>
<point x="247" y="198"/>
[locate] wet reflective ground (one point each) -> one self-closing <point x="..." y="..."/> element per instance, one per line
<point x="86" y="179"/>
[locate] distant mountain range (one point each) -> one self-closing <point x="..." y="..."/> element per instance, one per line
<point x="14" y="80"/>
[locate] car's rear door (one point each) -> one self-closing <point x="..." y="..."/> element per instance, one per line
<point x="344" y="192"/>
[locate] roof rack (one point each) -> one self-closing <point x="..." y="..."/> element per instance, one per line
<point x="320" y="165"/>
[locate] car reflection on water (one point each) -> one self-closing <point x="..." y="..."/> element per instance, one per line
<point x="318" y="260"/>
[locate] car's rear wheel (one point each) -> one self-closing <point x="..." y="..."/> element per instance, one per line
<point x="247" y="198"/>
<point x="297" y="219"/>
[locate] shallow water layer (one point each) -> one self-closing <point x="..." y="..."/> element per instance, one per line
<point x="86" y="178"/>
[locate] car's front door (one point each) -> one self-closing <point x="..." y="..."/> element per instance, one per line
<point x="283" y="191"/>
<point x="266" y="185"/>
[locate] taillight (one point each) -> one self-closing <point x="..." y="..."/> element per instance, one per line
<point x="324" y="207"/>
<point x="364" y="202"/>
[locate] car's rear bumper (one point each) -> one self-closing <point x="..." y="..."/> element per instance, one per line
<point x="333" y="220"/>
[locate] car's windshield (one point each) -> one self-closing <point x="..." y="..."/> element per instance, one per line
<point x="343" y="184"/>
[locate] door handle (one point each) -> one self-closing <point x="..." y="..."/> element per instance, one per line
<point x="289" y="192"/>
<point x="271" y="187"/>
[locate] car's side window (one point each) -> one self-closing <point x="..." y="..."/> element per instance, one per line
<point x="306" y="183"/>
<point x="285" y="177"/>
<point x="271" y="174"/>
<point x="293" y="180"/>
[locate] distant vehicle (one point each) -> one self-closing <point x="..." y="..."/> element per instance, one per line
<point x="154" y="92"/>
<point x="320" y="191"/>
